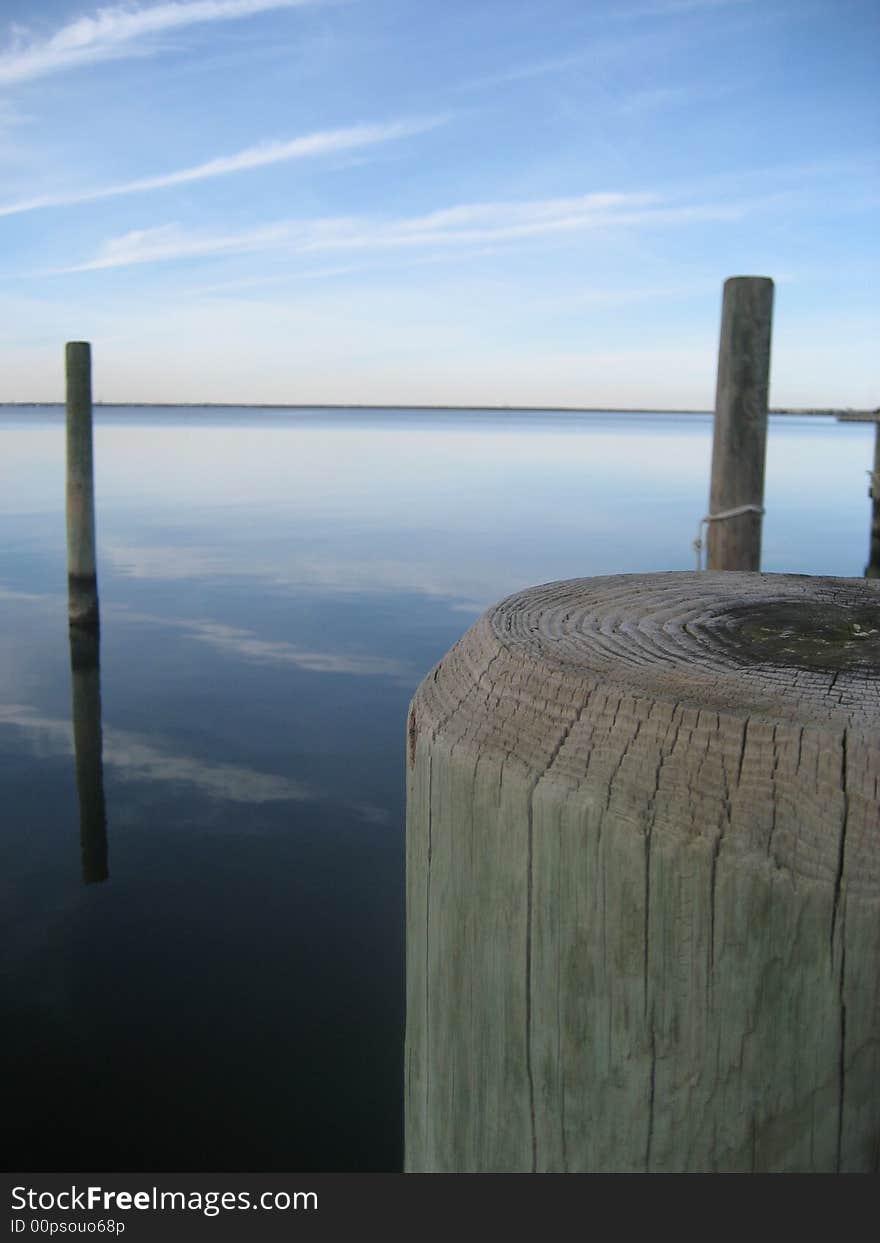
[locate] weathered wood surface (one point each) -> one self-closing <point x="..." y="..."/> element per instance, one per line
<point x="643" y="880"/>
<point x="739" y="441"/>
<point x="81" y="566"/>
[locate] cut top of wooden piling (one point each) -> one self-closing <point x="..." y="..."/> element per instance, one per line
<point x="787" y="646"/>
<point x="753" y="664"/>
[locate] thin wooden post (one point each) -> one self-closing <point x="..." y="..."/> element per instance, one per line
<point x="81" y="568"/>
<point x="736" y="497"/>
<point x="872" y="569"/>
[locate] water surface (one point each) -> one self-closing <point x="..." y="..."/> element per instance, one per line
<point x="273" y="587"/>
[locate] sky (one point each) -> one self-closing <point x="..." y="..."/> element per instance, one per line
<point x="498" y="202"/>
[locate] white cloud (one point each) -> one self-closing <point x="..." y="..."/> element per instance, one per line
<point x="115" y="32"/>
<point x="465" y="225"/>
<point x="244" y="643"/>
<point x="170" y="242"/>
<point x="259" y="156"/>
<point x="654" y="98"/>
<point x="233" y="640"/>
<point x="536" y="69"/>
<point x="672" y="8"/>
<point x="139" y="759"/>
<point x="135" y="758"/>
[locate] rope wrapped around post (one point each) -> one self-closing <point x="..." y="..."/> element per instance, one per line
<point x="727" y="513"/>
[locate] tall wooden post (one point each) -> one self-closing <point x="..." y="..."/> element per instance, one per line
<point x="872" y="569"/>
<point x="736" y="497"/>
<point x="643" y="881"/>
<point x="82" y="579"/>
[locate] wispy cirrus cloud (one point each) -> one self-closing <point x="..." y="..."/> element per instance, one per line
<point x="236" y="641"/>
<point x="309" y="146"/>
<point x="117" y="31"/>
<point x="464" y="225"/>
<point x="233" y="641"/>
<point x="139" y="759"/>
<point x="674" y="8"/>
<point x="134" y="758"/>
<point x="169" y="241"/>
<point x="534" y="69"/>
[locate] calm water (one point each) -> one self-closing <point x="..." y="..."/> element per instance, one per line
<point x="273" y="588"/>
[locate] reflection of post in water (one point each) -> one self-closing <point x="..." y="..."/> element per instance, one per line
<point x="86" y="679"/>
<point x="872" y="569"/>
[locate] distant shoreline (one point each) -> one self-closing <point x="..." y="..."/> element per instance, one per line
<point x="846" y="413"/>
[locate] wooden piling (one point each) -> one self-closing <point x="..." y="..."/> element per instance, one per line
<point x="643" y="881"/>
<point x="81" y="567"/>
<point x="733" y="540"/>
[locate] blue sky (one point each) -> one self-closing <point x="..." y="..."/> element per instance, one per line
<point x="487" y="201"/>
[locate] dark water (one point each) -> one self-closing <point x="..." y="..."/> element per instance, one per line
<point x="273" y="588"/>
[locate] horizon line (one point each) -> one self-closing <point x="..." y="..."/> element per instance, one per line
<point x="844" y="411"/>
